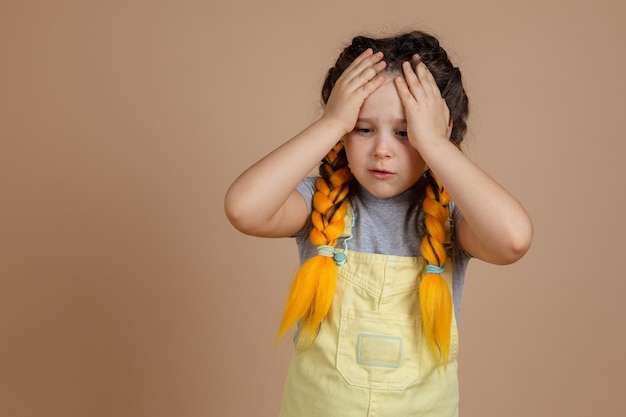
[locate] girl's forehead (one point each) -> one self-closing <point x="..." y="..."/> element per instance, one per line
<point x="384" y="103"/>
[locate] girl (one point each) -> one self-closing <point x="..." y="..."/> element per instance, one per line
<point x="381" y="237"/>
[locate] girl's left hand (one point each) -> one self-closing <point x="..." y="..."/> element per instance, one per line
<point x="427" y="115"/>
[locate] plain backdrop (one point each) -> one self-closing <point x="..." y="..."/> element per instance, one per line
<point x="125" y="292"/>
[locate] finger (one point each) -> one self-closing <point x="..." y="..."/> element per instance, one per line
<point x="361" y="57"/>
<point x="407" y="98"/>
<point x="363" y="61"/>
<point x="366" y="69"/>
<point x="413" y="82"/>
<point x="369" y="72"/>
<point x="347" y="73"/>
<point x="368" y="88"/>
<point x="428" y="80"/>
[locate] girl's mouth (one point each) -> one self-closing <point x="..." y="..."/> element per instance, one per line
<point x="381" y="174"/>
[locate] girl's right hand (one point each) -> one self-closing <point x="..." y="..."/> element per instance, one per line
<point x="356" y="83"/>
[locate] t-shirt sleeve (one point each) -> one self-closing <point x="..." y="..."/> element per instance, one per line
<point x="306" y="188"/>
<point x="457" y="218"/>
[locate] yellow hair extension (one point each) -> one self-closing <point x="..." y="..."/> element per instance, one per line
<point x="435" y="297"/>
<point x="309" y="298"/>
<point x="312" y="289"/>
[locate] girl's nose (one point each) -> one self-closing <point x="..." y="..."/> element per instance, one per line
<point x="382" y="146"/>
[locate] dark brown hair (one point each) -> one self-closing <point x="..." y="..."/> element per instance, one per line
<point x="403" y="47"/>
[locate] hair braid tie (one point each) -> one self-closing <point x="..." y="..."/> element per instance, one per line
<point x="433" y="269"/>
<point x="312" y="289"/>
<point x="434" y="293"/>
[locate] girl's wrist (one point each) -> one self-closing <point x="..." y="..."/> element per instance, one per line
<point x="425" y="144"/>
<point x="333" y="127"/>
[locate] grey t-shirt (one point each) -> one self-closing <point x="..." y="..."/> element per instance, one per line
<point x="387" y="226"/>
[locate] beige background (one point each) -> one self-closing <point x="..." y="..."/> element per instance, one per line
<point x="125" y="292"/>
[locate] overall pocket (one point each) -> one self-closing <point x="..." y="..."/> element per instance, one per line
<point x="379" y="350"/>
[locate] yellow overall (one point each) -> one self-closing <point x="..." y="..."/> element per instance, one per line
<point x="368" y="359"/>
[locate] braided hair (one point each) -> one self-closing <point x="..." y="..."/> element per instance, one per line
<point x="434" y="294"/>
<point x="313" y="287"/>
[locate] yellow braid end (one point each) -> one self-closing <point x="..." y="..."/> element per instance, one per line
<point x="309" y="298"/>
<point x="436" y="309"/>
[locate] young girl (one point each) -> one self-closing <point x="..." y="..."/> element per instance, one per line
<point x="382" y="241"/>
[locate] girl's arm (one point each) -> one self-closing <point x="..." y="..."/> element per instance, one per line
<point x="495" y="227"/>
<point x="263" y="201"/>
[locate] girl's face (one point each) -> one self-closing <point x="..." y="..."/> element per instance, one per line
<point x="378" y="150"/>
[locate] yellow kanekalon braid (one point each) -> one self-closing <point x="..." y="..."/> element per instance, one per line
<point x="313" y="287"/>
<point x="435" y="297"/>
